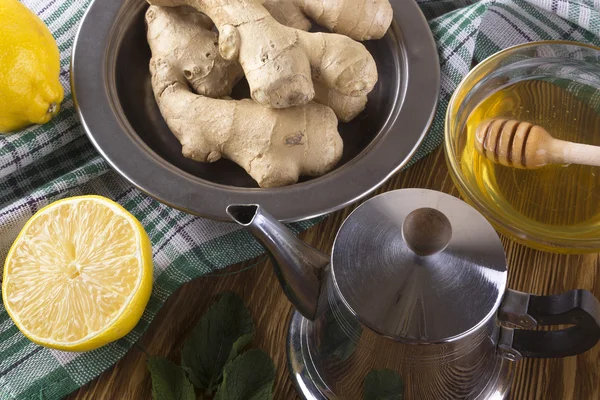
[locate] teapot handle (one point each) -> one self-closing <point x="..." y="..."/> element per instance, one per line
<point x="577" y="307"/>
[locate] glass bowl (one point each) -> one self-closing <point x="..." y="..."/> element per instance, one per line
<point x="555" y="85"/>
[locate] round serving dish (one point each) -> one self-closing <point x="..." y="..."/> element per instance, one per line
<point x="112" y="92"/>
<point x="559" y="74"/>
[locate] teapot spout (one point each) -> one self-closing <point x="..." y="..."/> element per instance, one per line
<point x="299" y="267"/>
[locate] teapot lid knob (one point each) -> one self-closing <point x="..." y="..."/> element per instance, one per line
<point x="426" y="231"/>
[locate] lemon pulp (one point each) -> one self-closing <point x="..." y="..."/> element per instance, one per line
<point x="79" y="275"/>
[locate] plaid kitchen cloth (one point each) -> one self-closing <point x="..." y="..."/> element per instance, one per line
<point x="46" y="163"/>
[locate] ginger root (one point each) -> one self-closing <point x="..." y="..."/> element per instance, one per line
<point x="358" y="19"/>
<point x="288" y="12"/>
<point x="274" y="146"/>
<point x="280" y="62"/>
<point x="346" y="108"/>
<point x="213" y="76"/>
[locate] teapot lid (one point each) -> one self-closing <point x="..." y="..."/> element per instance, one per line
<point x="419" y="266"/>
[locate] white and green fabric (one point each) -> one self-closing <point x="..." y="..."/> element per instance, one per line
<point x="46" y="163"/>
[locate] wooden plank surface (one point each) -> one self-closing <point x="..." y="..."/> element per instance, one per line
<point x="574" y="378"/>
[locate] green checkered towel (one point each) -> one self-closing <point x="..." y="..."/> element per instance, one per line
<point x="46" y="163"/>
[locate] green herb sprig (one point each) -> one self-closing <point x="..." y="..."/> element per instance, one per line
<point x="212" y="359"/>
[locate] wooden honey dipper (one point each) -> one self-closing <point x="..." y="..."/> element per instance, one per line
<point x="524" y="145"/>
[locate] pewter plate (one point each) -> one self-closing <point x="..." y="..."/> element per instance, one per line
<point x="111" y="87"/>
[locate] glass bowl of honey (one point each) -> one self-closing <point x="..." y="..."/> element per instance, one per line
<point x="554" y="85"/>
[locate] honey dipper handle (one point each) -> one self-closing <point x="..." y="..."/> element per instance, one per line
<point x="563" y="152"/>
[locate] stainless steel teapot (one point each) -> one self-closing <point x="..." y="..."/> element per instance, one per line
<point x="415" y="294"/>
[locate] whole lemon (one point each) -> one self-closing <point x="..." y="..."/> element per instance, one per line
<point x="30" y="91"/>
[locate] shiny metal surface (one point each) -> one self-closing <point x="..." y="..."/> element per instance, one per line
<point x="111" y="87"/>
<point x="505" y="345"/>
<point x="344" y="352"/>
<point x="421" y="382"/>
<point x="449" y="296"/>
<point x="416" y="286"/>
<point x="299" y="267"/>
<point x="419" y="299"/>
<point x="513" y="310"/>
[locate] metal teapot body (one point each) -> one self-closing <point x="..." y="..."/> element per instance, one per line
<point x="414" y="295"/>
<point x="335" y="356"/>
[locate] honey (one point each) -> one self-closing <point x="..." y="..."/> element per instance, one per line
<point x="561" y="200"/>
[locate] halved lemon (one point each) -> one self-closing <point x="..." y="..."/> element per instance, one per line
<point x="79" y="274"/>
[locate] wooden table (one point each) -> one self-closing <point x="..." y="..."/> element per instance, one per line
<point x="576" y="378"/>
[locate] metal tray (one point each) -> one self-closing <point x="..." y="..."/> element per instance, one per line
<point x="111" y="87"/>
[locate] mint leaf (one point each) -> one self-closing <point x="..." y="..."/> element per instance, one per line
<point x="224" y="330"/>
<point x="248" y="377"/>
<point x="383" y="384"/>
<point x="169" y="381"/>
